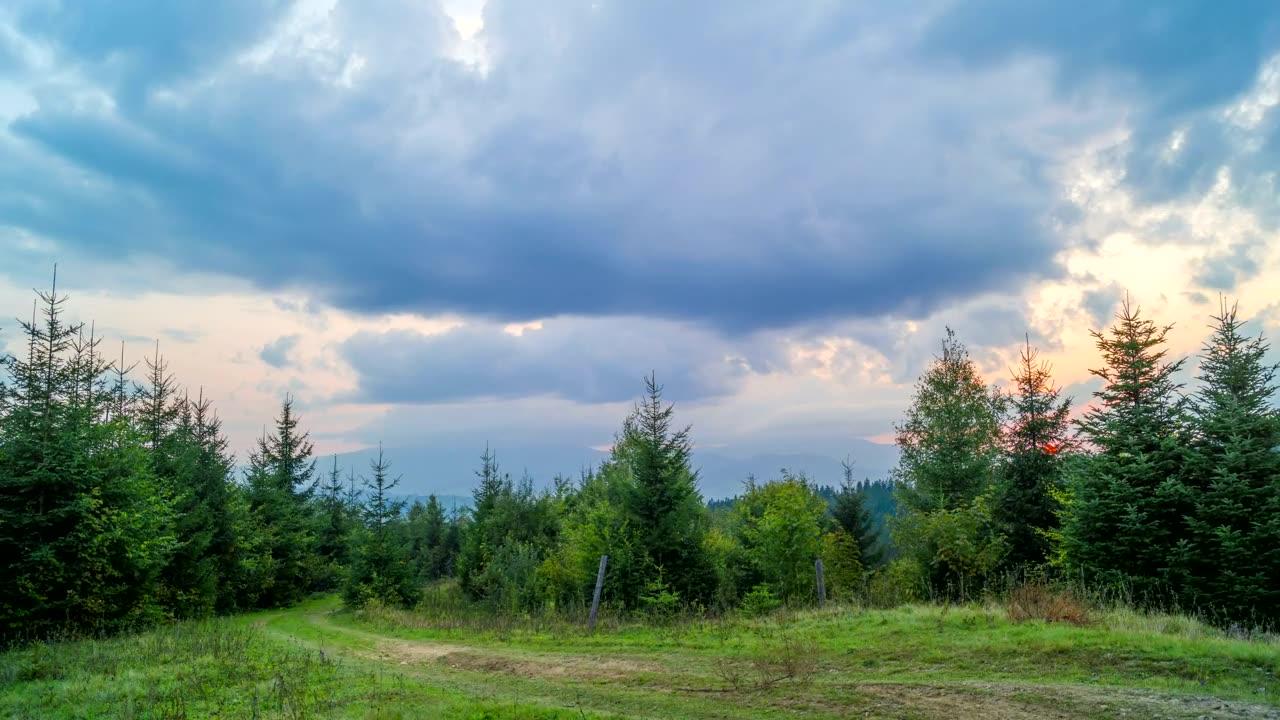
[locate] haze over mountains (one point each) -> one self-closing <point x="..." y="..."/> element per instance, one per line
<point x="450" y="471"/>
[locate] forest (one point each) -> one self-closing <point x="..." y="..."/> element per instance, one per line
<point x="121" y="506"/>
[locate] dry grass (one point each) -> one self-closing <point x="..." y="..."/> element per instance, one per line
<point x="1037" y="601"/>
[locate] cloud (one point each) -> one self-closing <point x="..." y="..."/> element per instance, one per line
<point x="582" y="360"/>
<point x="1192" y="114"/>
<point x="1100" y="304"/>
<point x="1224" y="270"/>
<point x="605" y="162"/>
<point x="276" y="353"/>
<point x="1134" y="46"/>
<point x="180" y="335"/>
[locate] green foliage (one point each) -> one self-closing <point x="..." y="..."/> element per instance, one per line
<point x="84" y="525"/>
<point x="659" y="603"/>
<point x="850" y="511"/>
<point x="956" y="549"/>
<point x="1128" y="499"/>
<point x="760" y="601"/>
<point x="780" y="526"/>
<point x="512" y="530"/>
<point x="1228" y="560"/>
<point x="842" y="564"/>
<point x="642" y="509"/>
<point x="664" y="506"/>
<point x="596" y="523"/>
<point x="281" y="478"/>
<point x="1037" y="442"/>
<point x="382" y="570"/>
<point x="951" y="444"/>
<point x="433" y="540"/>
<point x="950" y="438"/>
<point x="338" y="518"/>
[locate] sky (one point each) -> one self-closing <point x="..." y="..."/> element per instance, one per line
<point x="464" y="222"/>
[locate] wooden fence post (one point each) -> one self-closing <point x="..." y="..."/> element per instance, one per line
<point x="595" y="601"/>
<point x="822" y="584"/>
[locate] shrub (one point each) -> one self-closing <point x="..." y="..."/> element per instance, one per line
<point x="1037" y="601"/>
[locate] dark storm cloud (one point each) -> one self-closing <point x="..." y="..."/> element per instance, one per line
<point x="744" y="170"/>
<point x="751" y="169"/>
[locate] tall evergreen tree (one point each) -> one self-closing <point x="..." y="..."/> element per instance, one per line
<point x="849" y="510"/>
<point x="158" y="410"/>
<point x="82" y="521"/>
<point x="333" y="539"/>
<point x="281" y="480"/>
<point x="664" y="504"/>
<point x="483" y="534"/>
<point x="1229" y="561"/>
<point x="1128" y="500"/>
<point x="1035" y="444"/>
<point x="382" y="570"/>
<point x="209" y="553"/>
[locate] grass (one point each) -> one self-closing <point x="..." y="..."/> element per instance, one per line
<point x="915" y="661"/>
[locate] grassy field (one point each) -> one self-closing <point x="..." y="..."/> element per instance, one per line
<point x="315" y="661"/>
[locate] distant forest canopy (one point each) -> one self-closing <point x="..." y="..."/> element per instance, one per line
<point x="121" y="505"/>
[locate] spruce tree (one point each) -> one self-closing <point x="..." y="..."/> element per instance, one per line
<point x="484" y="531"/>
<point x="664" y="504"/>
<point x="281" y="478"/>
<point x="333" y="541"/>
<point x="83" y="525"/>
<point x="1229" y="561"/>
<point x="381" y="570"/>
<point x="1036" y="442"/>
<point x="429" y="533"/>
<point x="849" y="510"/>
<point x="166" y="422"/>
<point x="1128" y="500"/>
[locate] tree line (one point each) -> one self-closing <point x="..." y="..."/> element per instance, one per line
<point x="1165" y="496"/>
<point x="121" y="504"/>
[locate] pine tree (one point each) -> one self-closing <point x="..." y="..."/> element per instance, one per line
<point x="158" y="409"/>
<point x="281" y="480"/>
<point x="382" y="570"/>
<point x="82" y="522"/>
<point x="429" y="535"/>
<point x="334" y="535"/>
<point x="850" y="513"/>
<point x="1229" y="561"/>
<point x="1128" y="501"/>
<point x="665" y="505"/>
<point x="950" y="439"/>
<point x="483" y="534"/>
<point x="1035" y="445"/>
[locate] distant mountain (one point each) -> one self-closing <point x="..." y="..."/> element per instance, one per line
<point x="450" y="471"/>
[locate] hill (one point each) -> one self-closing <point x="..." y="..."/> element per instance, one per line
<point x="450" y="470"/>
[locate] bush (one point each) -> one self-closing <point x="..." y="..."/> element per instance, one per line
<point x="1037" y="601"/>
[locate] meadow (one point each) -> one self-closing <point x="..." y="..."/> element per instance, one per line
<point x="318" y="660"/>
